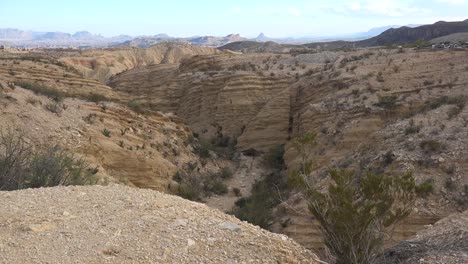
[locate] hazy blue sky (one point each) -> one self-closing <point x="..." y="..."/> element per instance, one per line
<point x="277" y="18"/>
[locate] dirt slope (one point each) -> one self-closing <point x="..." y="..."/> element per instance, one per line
<point x="444" y="243"/>
<point x="116" y="224"/>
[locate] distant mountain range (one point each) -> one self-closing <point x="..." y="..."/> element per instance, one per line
<point x="436" y="33"/>
<point x="379" y="36"/>
<point x="17" y="37"/>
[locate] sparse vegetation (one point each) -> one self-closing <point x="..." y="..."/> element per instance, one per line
<point x="431" y="145"/>
<point x="106" y="132"/>
<point x="37" y="88"/>
<point x="387" y="101"/>
<point x="356" y="209"/>
<point x="23" y="167"/>
<point x="266" y="194"/>
<point x="425" y="188"/>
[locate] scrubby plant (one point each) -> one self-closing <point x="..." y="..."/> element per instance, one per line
<point x="354" y="210"/>
<point x="106" y="132"/>
<point x="274" y="157"/>
<point x="54" y="107"/>
<point x="265" y="195"/>
<point x="15" y="154"/>
<point x="387" y="101"/>
<point x="96" y="98"/>
<point x="214" y="184"/>
<point x="431" y="145"/>
<point x="55" y="166"/>
<point x="425" y="188"/>
<point x="37" y="88"/>
<point x="202" y="149"/>
<point x="23" y="167"/>
<point x="237" y="192"/>
<point x="225" y="173"/>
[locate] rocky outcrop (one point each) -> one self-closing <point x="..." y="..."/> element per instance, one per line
<point x="116" y="224"/>
<point x="445" y="242"/>
<point x="104" y="63"/>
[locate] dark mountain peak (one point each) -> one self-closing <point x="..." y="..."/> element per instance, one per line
<point x="409" y="35"/>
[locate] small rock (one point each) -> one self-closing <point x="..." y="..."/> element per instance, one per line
<point x="190" y="242"/>
<point x="181" y="222"/>
<point x="230" y="226"/>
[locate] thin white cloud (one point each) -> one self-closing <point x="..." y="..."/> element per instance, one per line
<point x="390" y="8"/>
<point x="453" y="2"/>
<point x="294" y="11"/>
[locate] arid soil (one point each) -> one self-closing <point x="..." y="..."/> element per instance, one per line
<point x="117" y="224"/>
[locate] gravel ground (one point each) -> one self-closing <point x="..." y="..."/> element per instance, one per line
<point x="117" y="224"/>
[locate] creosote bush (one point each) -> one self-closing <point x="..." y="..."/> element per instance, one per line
<point x="354" y="210"/>
<point x="22" y="167"/>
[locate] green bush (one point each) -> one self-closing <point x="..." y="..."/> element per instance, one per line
<point x="190" y="187"/>
<point x="135" y="106"/>
<point x="96" y="98"/>
<point x="203" y="149"/>
<point x="387" y="101"/>
<point x="355" y="209"/>
<point x="425" y="188"/>
<point x="106" y="132"/>
<point x="274" y="157"/>
<point x="54" y="167"/>
<point x="214" y="184"/>
<point x="265" y="195"/>
<point x="21" y="167"/>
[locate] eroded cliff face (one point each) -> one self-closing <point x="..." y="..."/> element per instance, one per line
<point x="139" y="150"/>
<point x="101" y="64"/>
<point x="382" y="108"/>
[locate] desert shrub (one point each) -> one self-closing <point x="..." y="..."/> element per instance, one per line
<point x="274" y="157"/>
<point x="251" y="152"/>
<point x="90" y="119"/>
<point x="455" y="110"/>
<point x="106" y="132"/>
<point x="425" y="188"/>
<point x="14" y="159"/>
<point x="96" y="98"/>
<point x="380" y="77"/>
<point x="266" y="194"/>
<point x="190" y="187"/>
<point x="202" y="149"/>
<point x="37" y="88"/>
<point x="225" y="173"/>
<point x="428" y="82"/>
<point x="237" y="192"/>
<point x="446" y="100"/>
<point x="21" y="167"/>
<point x="54" y="107"/>
<point x="387" y="101"/>
<point x="136" y="106"/>
<point x="356" y="209"/>
<point x="412" y="129"/>
<point x="212" y="183"/>
<point x="450" y="185"/>
<point x="54" y="167"/>
<point x="33" y="101"/>
<point x="431" y="145"/>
